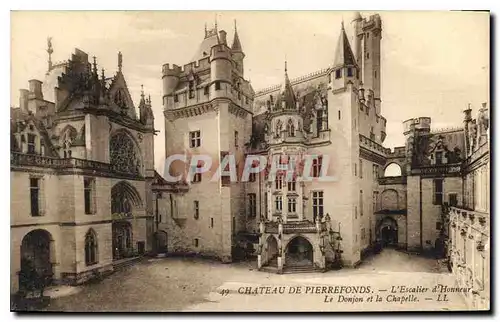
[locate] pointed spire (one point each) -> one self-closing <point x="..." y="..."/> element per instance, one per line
<point x="236" y="47"/>
<point x="142" y="92"/>
<point x="343" y="52"/>
<point x="287" y="94"/>
<point x="120" y="61"/>
<point x="103" y="78"/>
<point x="215" y="22"/>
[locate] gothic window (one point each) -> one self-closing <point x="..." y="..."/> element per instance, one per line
<point x="206" y="90"/>
<point x="278" y="203"/>
<point x="252" y="205"/>
<point x="176" y="98"/>
<point x="123" y="198"/>
<point x="120" y="99"/>
<point x="279" y="127"/>
<point x="291" y="128"/>
<point x="292" y="205"/>
<point x="124" y="156"/>
<point x="90" y="248"/>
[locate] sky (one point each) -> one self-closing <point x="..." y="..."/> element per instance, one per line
<point x="432" y="63"/>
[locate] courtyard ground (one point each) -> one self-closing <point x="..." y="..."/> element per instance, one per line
<point x="191" y="284"/>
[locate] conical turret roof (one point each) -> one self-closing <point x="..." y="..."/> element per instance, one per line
<point x="343" y="52"/>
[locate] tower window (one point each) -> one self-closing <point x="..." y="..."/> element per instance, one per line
<point x="196" y="209"/>
<point x="196" y="242"/>
<point x="194" y="139"/>
<point x="176" y="98"/>
<point x="375" y="74"/>
<point x="252" y="205"/>
<point x="338" y="73"/>
<point x="191" y="89"/>
<point x="292" y="205"/>
<point x="35" y="196"/>
<point x="217" y="85"/>
<point x="317" y="198"/>
<point x="206" y="90"/>
<point x="279" y="203"/>
<point x="367" y="55"/>
<point x="349" y="71"/>
<point x="236" y="139"/>
<point x="438" y="191"/>
<point x="211" y="223"/>
<point x="339" y="114"/>
<point x="316" y="167"/>
<point x="88" y="189"/>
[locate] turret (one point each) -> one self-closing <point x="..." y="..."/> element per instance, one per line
<point x="357" y="37"/>
<point x="221" y="66"/>
<point x="344" y="68"/>
<point x="170" y="79"/>
<point x="35" y="89"/>
<point x="237" y="51"/>
<point x="23" y="99"/>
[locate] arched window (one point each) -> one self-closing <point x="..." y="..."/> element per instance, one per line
<point x="279" y="127"/>
<point x="124" y="198"/>
<point x="91" y="248"/>
<point x="392" y="170"/>
<point x="124" y="155"/>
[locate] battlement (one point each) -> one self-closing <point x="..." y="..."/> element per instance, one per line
<point x="220" y="51"/>
<point x="178" y="71"/>
<point x="373" y="21"/>
<point x="447" y="129"/>
<point x="420" y="123"/>
<point x="294" y="81"/>
<point x="397" y="152"/>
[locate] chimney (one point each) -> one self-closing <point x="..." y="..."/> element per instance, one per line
<point x="35" y="89"/>
<point x="23" y="99"/>
<point x="222" y="37"/>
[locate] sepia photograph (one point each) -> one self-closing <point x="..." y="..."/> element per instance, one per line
<point x="250" y="161"/>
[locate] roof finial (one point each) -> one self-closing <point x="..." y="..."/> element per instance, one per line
<point x="142" y="91"/>
<point x="235" y="28"/>
<point x="120" y="61"/>
<point x="50" y="50"/>
<point x="216" y="22"/>
<point x="342" y="24"/>
<point x="95" y="65"/>
<point x="285" y="64"/>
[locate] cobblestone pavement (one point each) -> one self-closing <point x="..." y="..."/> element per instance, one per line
<point x="187" y="284"/>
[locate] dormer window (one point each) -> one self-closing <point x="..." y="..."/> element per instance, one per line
<point x="31" y="144"/>
<point x="217" y="85"/>
<point x="338" y="73"/>
<point x="439" y="157"/>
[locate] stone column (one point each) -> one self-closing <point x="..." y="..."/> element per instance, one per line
<point x="280" y="248"/>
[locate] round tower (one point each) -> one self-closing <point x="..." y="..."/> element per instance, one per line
<point x="170" y="79"/>
<point x="221" y="67"/>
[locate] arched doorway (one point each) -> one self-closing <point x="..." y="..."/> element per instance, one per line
<point x="271" y="251"/>
<point x="388" y="232"/>
<point x="36" y="266"/>
<point x="122" y="239"/>
<point x="161" y="242"/>
<point x="299" y="252"/>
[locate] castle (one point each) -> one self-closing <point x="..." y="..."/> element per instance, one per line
<point x="84" y="160"/>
